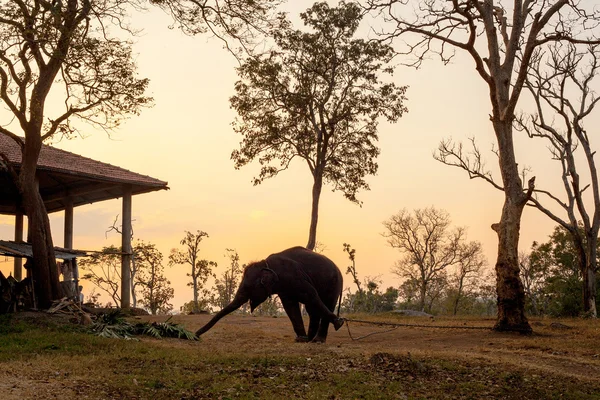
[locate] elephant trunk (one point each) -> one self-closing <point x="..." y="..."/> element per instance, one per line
<point x="237" y="302"/>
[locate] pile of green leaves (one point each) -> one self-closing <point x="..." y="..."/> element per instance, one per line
<point x="114" y="325"/>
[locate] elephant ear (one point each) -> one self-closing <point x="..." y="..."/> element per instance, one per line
<point x="268" y="279"/>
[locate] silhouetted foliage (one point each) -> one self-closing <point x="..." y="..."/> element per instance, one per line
<point x="200" y="269"/>
<point x="155" y="288"/>
<point x="244" y="21"/>
<point x="317" y="97"/>
<point x="553" y="276"/>
<point x="226" y="285"/>
<point x="73" y="54"/>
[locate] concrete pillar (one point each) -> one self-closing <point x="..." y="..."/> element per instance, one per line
<point x="18" y="269"/>
<point x="69" y="224"/>
<point x="126" y="246"/>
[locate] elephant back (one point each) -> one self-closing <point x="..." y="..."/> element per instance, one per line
<point x="324" y="275"/>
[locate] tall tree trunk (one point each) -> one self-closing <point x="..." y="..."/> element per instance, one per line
<point x="314" y="214"/>
<point x="44" y="270"/>
<point x="509" y="288"/>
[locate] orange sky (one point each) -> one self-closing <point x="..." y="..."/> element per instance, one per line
<point x="186" y="139"/>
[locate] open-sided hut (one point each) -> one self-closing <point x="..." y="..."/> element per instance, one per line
<point x="67" y="180"/>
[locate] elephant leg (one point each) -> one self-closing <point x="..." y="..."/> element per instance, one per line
<point x="312" y="299"/>
<point x="315" y="319"/>
<point x="323" y="328"/>
<point x="292" y="309"/>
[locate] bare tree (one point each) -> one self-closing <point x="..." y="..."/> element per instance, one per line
<point x="103" y="269"/>
<point x="561" y="82"/>
<point x="317" y="97"/>
<point x="427" y="243"/>
<point x="201" y="270"/>
<point x="501" y="39"/>
<point x="226" y="285"/>
<point x="469" y="266"/>
<point x="66" y="51"/>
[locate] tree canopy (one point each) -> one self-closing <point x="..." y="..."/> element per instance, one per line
<point x="61" y="62"/>
<point x="317" y="96"/>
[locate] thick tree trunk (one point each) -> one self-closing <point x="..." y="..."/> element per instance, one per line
<point x="314" y="214"/>
<point x="509" y="288"/>
<point x="44" y="270"/>
<point x="511" y="295"/>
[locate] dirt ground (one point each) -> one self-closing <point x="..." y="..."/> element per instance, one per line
<point x="568" y="348"/>
<point x="557" y="352"/>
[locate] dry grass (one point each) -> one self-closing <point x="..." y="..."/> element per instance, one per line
<point x="257" y="358"/>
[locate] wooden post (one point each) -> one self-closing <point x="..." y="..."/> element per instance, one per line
<point x="126" y="248"/>
<point x="18" y="269"/>
<point x="69" y="224"/>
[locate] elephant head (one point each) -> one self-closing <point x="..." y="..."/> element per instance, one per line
<point x="258" y="283"/>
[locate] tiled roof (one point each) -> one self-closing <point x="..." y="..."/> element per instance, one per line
<point x="66" y="178"/>
<point x="53" y="159"/>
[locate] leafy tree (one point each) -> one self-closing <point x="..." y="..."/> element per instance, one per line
<point x="156" y="291"/>
<point x="409" y="293"/>
<point x="226" y="285"/>
<point x="501" y="37"/>
<point x="554" y="269"/>
<point x="201" y="270"/>
<point x="69" y="54"/>
<point x="429" y="247"/>
<point x="317" y="97"/>
<point x="204" y="304"/>
<point x="371" y="300"/>
<point x="244" y="21"/>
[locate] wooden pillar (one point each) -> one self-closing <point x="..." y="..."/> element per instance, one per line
<point x="18" y="270"/>
<point x="69" y="224"/>
<point x="126" y="248"/>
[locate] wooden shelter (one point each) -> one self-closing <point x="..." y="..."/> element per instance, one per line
<point x="67" y="180"/>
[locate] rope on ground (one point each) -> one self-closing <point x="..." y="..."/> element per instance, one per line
<point x="398" y="325"/>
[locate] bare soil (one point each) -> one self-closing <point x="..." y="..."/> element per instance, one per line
<point x="566" y="348"/>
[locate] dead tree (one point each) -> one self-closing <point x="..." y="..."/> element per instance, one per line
<point x="560" y="81"/>
<point x="501" y="39"/>
<point x="428" y="245"/>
